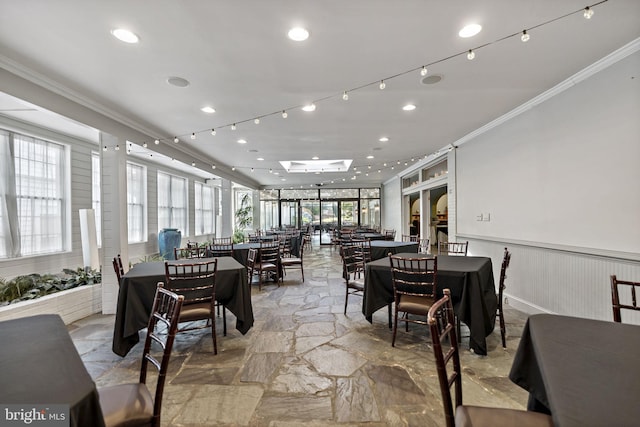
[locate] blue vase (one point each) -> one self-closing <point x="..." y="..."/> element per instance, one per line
<point x="168" y="239"/>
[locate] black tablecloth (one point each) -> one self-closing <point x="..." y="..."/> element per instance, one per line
<point x="370" y="236"/>
<point x="39" y="366"/>
<point x="241" y="251"/>
<point x="586" y="372"/>
<point x="381" y="248"/>
<point x="138" y="287"/>
<point x="470" y="280"/>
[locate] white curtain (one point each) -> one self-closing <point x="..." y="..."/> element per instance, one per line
<point x="172" y="202"/>
<point x="9" y="229"/>
<point x="135" y="202"/>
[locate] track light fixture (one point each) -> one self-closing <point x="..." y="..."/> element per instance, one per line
<point x="588" y="13"/>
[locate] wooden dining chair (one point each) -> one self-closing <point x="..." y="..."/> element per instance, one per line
<point x="423" y="246"/>
<point x="506" y="259"/>
<point x="196" y="281"/>
<point x="389" y="235"/>
<point x="363" y="249"/>
<point x="628" y="302"/>
<point x="289" y="261"/>
<point x="352" y="268"/>
<point x="134" y="404"/>
<point x="264" y="262"/>
<point x="444" y="342"/>
<point x="222" y="240"/>
<point x="190" y="252"/>
<point x="410" y="238"/>
<point x="118" y="268"/>
<point x="220" y="249"/>
<point x="453" y="248"/>
<point x="414" y="288"/>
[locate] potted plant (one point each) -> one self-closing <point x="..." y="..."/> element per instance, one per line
<point x="243" y="217"/>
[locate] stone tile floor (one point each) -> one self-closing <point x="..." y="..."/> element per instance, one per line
<point x="304" y="361"/>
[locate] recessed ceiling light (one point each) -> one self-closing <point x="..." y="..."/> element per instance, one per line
<point x="125" y="35"/>
<point x="309" y="108"/>
<point x="384" y="139"/>
<point x="315" y="158"/>
<point x="369" y="156"/>
<point x="409" y="107"/>
<point x="178" y="81"/>
<point x="242" y="141"/>
<point x="260" y="159"/>
<point x="208" y="109"/>
<point x="298" y="34"/>
<point x="470" y="30"/>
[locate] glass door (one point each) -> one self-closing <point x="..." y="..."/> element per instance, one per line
<point x="310" y="214"/>
<point x="289" y="210"/>
<point x="328" y="220"/>
<point x="348" y="213"/>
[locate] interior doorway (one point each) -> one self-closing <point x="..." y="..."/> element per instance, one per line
<point x="414" y="214"/>
<point x="439" y="215"/>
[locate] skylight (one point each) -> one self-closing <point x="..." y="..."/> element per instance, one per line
<point x="304" y="166"/>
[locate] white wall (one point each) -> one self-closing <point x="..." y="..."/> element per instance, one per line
<point x="391" y="200"/>
<point x="561" y="183"/>
<point x="565" y="172"/>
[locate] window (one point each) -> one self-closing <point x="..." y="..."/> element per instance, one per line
<point x="95" y="194"/>
<point x="33" y="196"/>
<point x="243" y="212"/>
<point x="204" y="209"/>
<point x="136" y="203"/>
<point x="172" y="202"/>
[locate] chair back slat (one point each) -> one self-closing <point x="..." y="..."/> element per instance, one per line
<point x="190" y="252"/>
<point x="352" y="263"/>
<point x="222" y="240"/>
<point x="195" y="281"/>
<point x="453" y="248"/>
<point x="623" y="297"/>
<point x="413" y="276"/>
<point x="221" y="249"/>
<point x="116" y="267"/>
<point x="269" y="252"/>
<point x="444" y="342"/>
<point x="166" y="310"/>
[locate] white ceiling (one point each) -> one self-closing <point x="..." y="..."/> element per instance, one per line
<point x="238" y="59"/>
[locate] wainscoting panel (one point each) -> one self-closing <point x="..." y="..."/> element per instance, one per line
<point x="557" y="281"/>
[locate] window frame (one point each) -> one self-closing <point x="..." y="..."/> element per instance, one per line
<point x="199" y="209"/>
<point x="142" y="195"/>
<point x="172" y="198"/>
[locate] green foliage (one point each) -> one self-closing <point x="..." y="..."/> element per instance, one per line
<point x="244" y="218"/>
<point x="152" y="258"/>
<point x="31" y="286"/>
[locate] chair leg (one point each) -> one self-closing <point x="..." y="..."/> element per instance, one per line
<point x="213" y="333"/>
<point x="224" y="320"/>
<point x="503" y="329"/>
<point x="302" y="272"/>
<point x="346" y="300"/>
<point x="395" y="327"/>
<point x="389" y="310"/>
